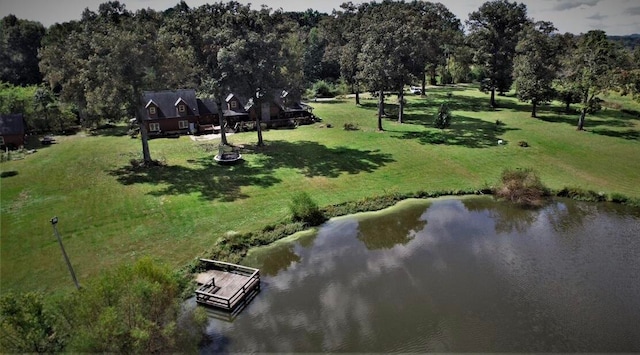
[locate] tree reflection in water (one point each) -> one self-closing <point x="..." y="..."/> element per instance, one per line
<point x="397" y="227"/>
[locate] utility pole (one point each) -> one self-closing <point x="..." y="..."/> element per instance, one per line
<point x="54" y="221"/>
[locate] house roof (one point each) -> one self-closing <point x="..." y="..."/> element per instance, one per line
<point x="12" y="124"/>
<point x="239" y="110"/>
<point x="207" y="107"/>
<point x="282" y="98"/>
<point x="167" y="100"/>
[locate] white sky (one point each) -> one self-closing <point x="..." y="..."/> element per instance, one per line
<point x="616" y="17"/>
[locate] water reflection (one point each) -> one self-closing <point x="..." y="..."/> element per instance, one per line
<point x="461" y="282"/>
<point x="386" y="229"/>
<point x="508" y="218"/>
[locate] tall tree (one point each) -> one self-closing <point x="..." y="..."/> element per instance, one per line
<point x="344" y="42"/>
<point x="251" y="65"/>
<point x="629" y="77"/>
<point x="388" y="57"/>
<point x="566" y="90"/>
<point x="19" y="43"/>
<point x="460" y="63"/>
<point x="437" y="32"/>
<point x="494" y="31"/>
<point x="536" y="64"/>
<point x="591" y="70"/>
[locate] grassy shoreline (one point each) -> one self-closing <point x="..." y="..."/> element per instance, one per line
<point x="111" y="214"/>
<point x="234" y="247"/>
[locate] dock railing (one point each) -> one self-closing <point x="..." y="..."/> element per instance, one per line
<point x="246" y="292"/>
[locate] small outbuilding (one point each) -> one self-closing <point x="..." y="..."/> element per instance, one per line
<point x="12" y="131"/>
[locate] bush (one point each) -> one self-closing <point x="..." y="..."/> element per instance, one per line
<point x="443" y="117"/>
<point x="579" y="194"/>
<point x="351" y="127"/>
<point x="322" y="88"/>
<point x="446" y="77"/>
<point x="28" y="325"/>
<point x="523" y="187"/>
<point x="304" y="209"/>
<point x="133" y="309"/>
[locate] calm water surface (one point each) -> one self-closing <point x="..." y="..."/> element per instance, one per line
<point x="449" y="275"/>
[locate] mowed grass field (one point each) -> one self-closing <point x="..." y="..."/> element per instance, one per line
<point x="111" y="214"/>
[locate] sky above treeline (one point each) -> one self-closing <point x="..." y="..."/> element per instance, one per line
<point x="616" y="17"/>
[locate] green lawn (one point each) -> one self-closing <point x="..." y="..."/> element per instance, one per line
<point x="110" y="214"/>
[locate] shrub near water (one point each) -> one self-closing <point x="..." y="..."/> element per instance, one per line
<point x="133" y="309"/>
<point x="523" y="187"/>
<point x="304" y="209"/>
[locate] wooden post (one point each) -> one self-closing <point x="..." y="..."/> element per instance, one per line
<point x="54" y="221"/>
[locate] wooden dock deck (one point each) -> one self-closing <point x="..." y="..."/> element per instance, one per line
<point x="227" y="285"/>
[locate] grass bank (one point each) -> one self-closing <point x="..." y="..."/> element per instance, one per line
<point x="111" y="214"/>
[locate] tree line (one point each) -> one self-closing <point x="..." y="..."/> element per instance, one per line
<point x="96" y="67"/>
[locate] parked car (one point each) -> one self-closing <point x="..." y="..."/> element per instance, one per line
<point x="415" y="90"/>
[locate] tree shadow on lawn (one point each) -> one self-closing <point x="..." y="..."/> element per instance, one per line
<point x="314" y="159"/>
<point x="110" y="130"/>
<point x="212" y="181"/>
<point x="598" y="123"/>
<point x="464" y="131"/>
<point x="225" y="183"/>
<point x="629" y="134"/>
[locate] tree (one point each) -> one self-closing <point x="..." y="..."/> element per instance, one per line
<point x="389" y="57"/>
<point x="536" y="64"/>
<point x="104" y="62"/>
<point x="437" y="33"/>
<point x="566" y="90"/>
<point x="591" y="70"/>
<point x="460" y="63"/>
<point x="19" y="43"/>
<point x="494" y="31"/>
<point x="49" y="114"/>
<point x="629" y="77"/>
<point x="443" y="117"/>
<point x="27" y="325"/>
<point x="344" y="42"/>
<point x="250" y="67"/>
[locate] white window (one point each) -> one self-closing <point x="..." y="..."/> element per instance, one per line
<point x="152" y="110"/>
<point x="234" y="104"/>
<point x="181" y="108"/>
<point x="154" y="126"/>
<point x="183" y="124"/>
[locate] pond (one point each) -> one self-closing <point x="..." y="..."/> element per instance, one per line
<point x="449" y="275"/>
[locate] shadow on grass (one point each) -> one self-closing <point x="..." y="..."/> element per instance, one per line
<point x="225" y="183"/>
<point x="314" y="159"/>
<point x="212" y="181"/>
<point x="110" y="131"/>
<point x="598" y="123"/>
<point x="327" y="101"/>
<point x="628" y="134"/>
<point x="6" y="174"/>
<point x="464" y="131"/>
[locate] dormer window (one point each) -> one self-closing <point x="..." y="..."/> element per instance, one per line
<point x="152" y="110"/>
<point x="181" y="108"/>
<point x="234" y="104"/>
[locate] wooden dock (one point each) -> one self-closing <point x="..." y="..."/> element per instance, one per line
<point x="227" y="286"/>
